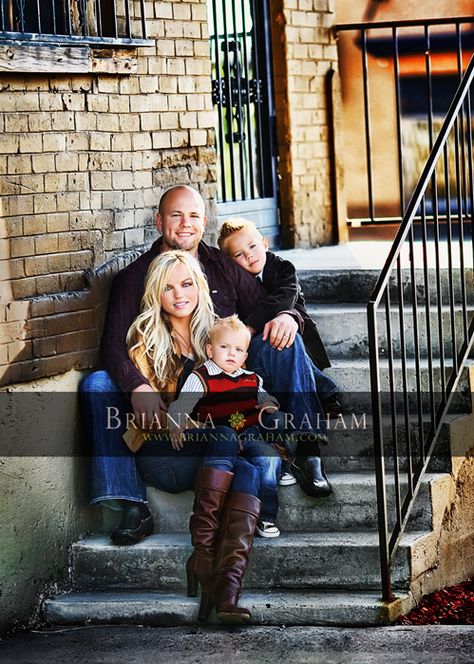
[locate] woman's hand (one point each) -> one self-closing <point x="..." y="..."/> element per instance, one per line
<point x="177" y="439"/>
<point x="148" y="407"/>
<point x="281" y="331"/>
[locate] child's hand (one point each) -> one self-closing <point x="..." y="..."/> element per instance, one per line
<point x="177" y="439"/>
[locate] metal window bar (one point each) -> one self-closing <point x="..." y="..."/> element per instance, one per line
<point x="389" y="537"/>
<point x="74" y="21"/>
<point x="428" y="41"/>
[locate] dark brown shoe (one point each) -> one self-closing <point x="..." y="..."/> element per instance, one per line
<point x="136" y="523"/>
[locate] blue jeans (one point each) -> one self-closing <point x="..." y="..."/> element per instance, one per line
<point x="174" y="471"/>
<point x="264" y="457"/>
<point x="292" y="377"/>
<point x="114" y="471"/>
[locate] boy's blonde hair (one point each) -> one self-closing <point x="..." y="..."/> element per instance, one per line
<point x="231" y="226"/>
<point x="232" y="322"/>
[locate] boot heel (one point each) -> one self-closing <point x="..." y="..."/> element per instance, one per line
<point x="192" y="581"/>
<point x="205" y="607"/>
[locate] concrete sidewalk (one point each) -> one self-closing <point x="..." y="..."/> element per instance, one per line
<point x="255" y="645"/>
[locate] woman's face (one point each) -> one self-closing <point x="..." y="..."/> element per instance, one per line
<point x="180" y="297"/>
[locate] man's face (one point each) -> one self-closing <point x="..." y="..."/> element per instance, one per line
<point x="182" y="220"/>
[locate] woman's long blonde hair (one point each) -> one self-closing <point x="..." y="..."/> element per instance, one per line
<point x="151" y="347"/>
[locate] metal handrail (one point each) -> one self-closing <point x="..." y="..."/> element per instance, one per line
<point x="456" y="132"/>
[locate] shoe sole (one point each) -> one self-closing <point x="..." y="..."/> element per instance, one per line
<point x="268" y="536"/>
<point x="287" y="482"/>
<point x="234" y="618"/>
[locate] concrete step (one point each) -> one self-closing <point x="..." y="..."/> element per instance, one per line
<point x="333" y="560"/>
<point x="352" y="505"/>
<point x="354" y="285"/>
<point x="353" y="378"/>
<point x="343" y="328"/>
<point x="158" y="608"/>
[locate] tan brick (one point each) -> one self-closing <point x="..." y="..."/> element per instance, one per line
<point x="188" y="120"/>
<point x="150" y="121"/>
<point x="114" y="241"/>
<point x="184" y="47"/>
<point x="67" y="201"/>
<point x="176" y="67"/>
<point x="45" y="203"/>
<point x="169" y="121"/>
<point x="31" y="143"/>
<point x="46" y="244"/>
<point x="19" y="164"/>
<point x="122" y="180"/>
<point x="174" y="29"/>
<point x="108" y="84"/>
<point x="50" y="101"/>
<point x="77" y="182"/>
<point x="58" y="222"/>
<point x="15" y="205"/>
<point x="157" y="66"/>
<point x="35" y="224"/>
<point x="77" y="141"/>
<point x="129" y="122"/>
<point x="201" y="49"/>
<point x="205" y="119"/>
<point x="16" y="122"/>
<point x="55" y="182"/>
<point x="141" y="141"/>
<point x="168" y="84"/>
<point x="86" y="121"/>
<point x="36" y="265"/>
<point x="192" y="31"/>
<point x="119" y="103"/>
<point x="198" y="67"/>
<point x="54" y="142"/>
<point x="22" y="246"/>
<point x="182" y="11"/>
<point x="112" y="200"/>
<point x="161" y="139"/>
<point x="62" y="121"/>
<point x="198" y="137"/>
<point x="148" y="84"/>
<point x="134" y="237"/>
<point x="73" y="102"/>
<point x="108" y="122"/>
<point x="129" y="86"/>
<point x="100" y="141"/>
<point x="177" y="103"/>
<point x="8" y="144"/>
<point x="179" y="139"/>
<point x="163" y="10"/>
<point x="48" y="283"/>
<point x="67" y="161"/>
<point x="98" y="103"/>
<point x="121" y="142"/>
<point x="186" y="84"/>
<point x="142" y="179"/>
<point x="24" y="288"/>
<point x="199" y="12"/>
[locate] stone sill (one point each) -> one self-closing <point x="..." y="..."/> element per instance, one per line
<point x="18" y="57"/>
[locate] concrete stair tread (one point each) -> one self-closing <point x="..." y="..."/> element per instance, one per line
<point x="162" y="541"/>
<point x="271" y="607"/>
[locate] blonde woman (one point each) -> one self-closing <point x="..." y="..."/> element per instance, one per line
<point x="165" y="341"/>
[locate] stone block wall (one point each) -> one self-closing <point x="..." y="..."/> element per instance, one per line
<point x="83" y="161"/>
<point x="304" y="52"/>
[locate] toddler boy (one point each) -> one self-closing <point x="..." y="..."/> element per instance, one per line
<point x="222" y="393"/>
<point x="242" y="241"/>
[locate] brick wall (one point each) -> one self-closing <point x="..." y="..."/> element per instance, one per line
<point x="304" y="53"/>
<point x="83" y="160"/>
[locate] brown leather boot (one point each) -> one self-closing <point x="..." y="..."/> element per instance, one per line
<point x="238" y="521"/>
<point x="210" y="491"/>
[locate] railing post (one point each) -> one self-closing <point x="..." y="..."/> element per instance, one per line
<point x="384" y="551"/>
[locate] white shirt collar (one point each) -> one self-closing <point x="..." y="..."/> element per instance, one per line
<point x="214" y="369"/>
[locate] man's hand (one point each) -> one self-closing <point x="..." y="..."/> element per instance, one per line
<point x="281" y="331"/>
<point x="177" y="438"/>
<point x="148" y="407"/>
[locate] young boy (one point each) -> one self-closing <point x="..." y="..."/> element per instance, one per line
<point x="222" y="393"/>
<point x="243" y="242"/>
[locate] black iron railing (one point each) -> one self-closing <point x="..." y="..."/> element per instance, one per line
<point x="105" y="22"/>
<point x="425" y="60"/>
<point x="426" y="285"/>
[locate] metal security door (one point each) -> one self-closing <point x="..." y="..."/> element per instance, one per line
<point x="245" y="116"/>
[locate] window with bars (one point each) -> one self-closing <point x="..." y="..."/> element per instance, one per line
<point x="111" y="22"/>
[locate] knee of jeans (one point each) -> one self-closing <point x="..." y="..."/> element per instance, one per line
<point x="268" y="465"/>
<point x="98" y="381"/>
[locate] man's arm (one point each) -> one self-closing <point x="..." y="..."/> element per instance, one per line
<point x="124" y="307"/>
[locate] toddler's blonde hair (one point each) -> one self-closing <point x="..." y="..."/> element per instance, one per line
<point x="234" y="225"/>
<point x="232" y="322"/>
